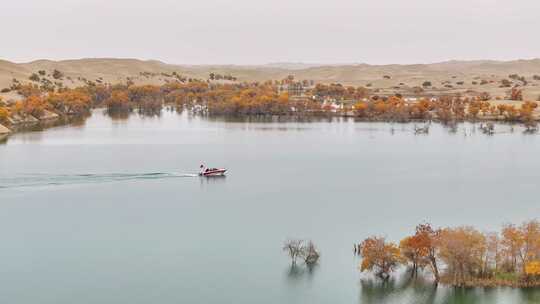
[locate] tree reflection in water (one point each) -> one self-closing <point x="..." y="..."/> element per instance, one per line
<point x="404" y="289"/>
<point x="407" y="289"/>
<point x="297" y="272"/>
<point x="530" y="295"/>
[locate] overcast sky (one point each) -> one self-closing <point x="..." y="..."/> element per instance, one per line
<point x="264" y="31"/>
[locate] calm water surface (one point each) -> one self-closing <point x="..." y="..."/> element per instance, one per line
<point x="109" y="212"/>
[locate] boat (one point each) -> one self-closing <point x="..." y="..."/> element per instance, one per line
<point x="212" y="171"/>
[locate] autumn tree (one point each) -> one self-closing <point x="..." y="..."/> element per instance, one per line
<point x="511" y="113"/>
<point x="494" y="254"/>
<point x="533" y="269"/>
<point x="379" y="256"/>
<point x="17" y="108"/>
<point x="473" y="109"/>
<point x="512" y="241"/>
<point x="427" y="238"/>
<point x="462" y="249"/>
<point x="69" y="101"/>
<point x="4" y="114"/>
<point x="34" y="105"/>
<point x="118" y="101"/>
<point x="139" y="93"/>
<point x="414" y="252"/>
<point x="360" y="108"/>
<point x="444" y="112"/>
<point x="147" y="98"/>
<point x="526" y="114"/>
<point x="469" y="257"/>
<point x="421" y="109"/>
<point x="98" y="94"/>
<point x="530" y="242"/>
<point x="501" y="108"/>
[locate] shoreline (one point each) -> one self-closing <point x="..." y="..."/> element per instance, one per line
<point x="496" y="283"/>
<point x="38" y="125"/>
<point x="42" y="125"/>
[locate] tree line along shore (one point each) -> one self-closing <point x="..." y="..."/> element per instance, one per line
<point x="455" y="256"/>
<point x="460" y="256"/>
<point x="287" y="97"/>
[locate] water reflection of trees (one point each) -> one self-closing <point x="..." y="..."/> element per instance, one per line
<point x="297" y="272"/>
<point x="455" y="295"/>
<point x="530" y="295"/>
<point x="396" y="290"/>
<point x="421" y="290"/>
<point x="117" y="115"/>
<point x="274" y="118"/>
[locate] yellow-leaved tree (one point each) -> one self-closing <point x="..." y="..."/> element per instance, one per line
<point x="532" y="268"/>
<point x="379" y="256"/>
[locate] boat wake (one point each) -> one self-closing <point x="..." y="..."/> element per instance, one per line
<point x="36" y="180"/>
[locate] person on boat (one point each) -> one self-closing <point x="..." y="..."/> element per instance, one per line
<point x="205" y="169"/>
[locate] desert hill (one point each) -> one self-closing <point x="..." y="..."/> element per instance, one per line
<point x="445" y="77"/>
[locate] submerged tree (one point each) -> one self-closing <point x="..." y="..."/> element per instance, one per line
<point x="462" y="249"/>
<point x="310" y="254"/>
<point x="414" y="251"/>
<point x="294" y="248"/>
<point x="118" y="101"/>
<point x="428" y="239"/>
<point x="379" y="256"/>
<point x="305" y="250"/>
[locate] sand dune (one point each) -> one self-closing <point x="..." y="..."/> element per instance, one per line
<point x="111" y="70"/>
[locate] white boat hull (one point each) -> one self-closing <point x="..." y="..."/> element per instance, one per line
<point x="218" y="172"/>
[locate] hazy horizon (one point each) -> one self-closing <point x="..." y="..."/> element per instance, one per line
<point x="307" y="64"/>
<point x="244" y="32"/>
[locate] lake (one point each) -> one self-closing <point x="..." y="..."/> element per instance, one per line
<point x="110" y="211"/>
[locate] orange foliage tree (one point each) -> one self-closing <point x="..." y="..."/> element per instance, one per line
<point x="379" y="256"/>
<point x="34" y="105"/>
<point x="76" y="101"/>
<point x="427" y="241"/>
<point x="360" y="108"/>
<point x="462" y="249"/>
<point x="512" y="242"/>
<point x="414" y="251"/>
<point x="526" y="113"/>
<point x="119" y="101"/>
<point x="4" y="114"/>
<point x="530" y="236"/>
<point x="532" y="268"/>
